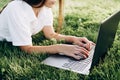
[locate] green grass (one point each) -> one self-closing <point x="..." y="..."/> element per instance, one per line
<point x="82" y="18"/>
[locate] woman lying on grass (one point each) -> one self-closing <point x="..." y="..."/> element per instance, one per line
<point x="21" y="19"/>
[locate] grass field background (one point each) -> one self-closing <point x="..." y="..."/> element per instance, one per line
<point x="81" y="18"/>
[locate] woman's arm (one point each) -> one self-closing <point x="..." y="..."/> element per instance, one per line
<point x="81" y="41"/>
<point x="50" y="33"/>
<point x="74" y="51"/>
<point x="68" y="50"/>
<point x="52" y="49"/>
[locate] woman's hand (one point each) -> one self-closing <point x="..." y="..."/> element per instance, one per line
<point x="83" y="42"/>
<point x="74" y="51"/>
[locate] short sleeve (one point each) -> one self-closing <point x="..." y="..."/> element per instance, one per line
<point x="18" y="27"/>
<point x="46" y="16"/>
<point x="49" y="18"/>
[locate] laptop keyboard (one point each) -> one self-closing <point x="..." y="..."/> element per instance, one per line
<point x="79" y="65"/>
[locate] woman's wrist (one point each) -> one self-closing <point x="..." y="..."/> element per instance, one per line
<point x="59" y="48"/>
<point x="56" y="49"/>
<point x="71" y="39"/>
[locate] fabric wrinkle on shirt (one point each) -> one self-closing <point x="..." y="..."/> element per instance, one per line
<point x="18" y="22"/>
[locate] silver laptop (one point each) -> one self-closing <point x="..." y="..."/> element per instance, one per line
<point x="105" y="39"/>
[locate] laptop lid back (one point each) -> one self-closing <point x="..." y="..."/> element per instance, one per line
<point x="106" y="37"/>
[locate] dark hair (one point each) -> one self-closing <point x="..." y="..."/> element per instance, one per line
<point x="35" y="3"/>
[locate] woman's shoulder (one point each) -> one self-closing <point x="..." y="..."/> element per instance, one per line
<point x="46" y="10"/>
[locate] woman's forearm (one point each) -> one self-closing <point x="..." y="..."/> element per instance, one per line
<point x="67" y="38"/>
<point x="50" y="33"/>
<point x="52" y="49"/>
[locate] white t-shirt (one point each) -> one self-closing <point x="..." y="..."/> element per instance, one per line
<point x="18" y="22"/>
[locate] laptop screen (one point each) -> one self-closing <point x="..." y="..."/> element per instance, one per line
<point x="106" y="36"/>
